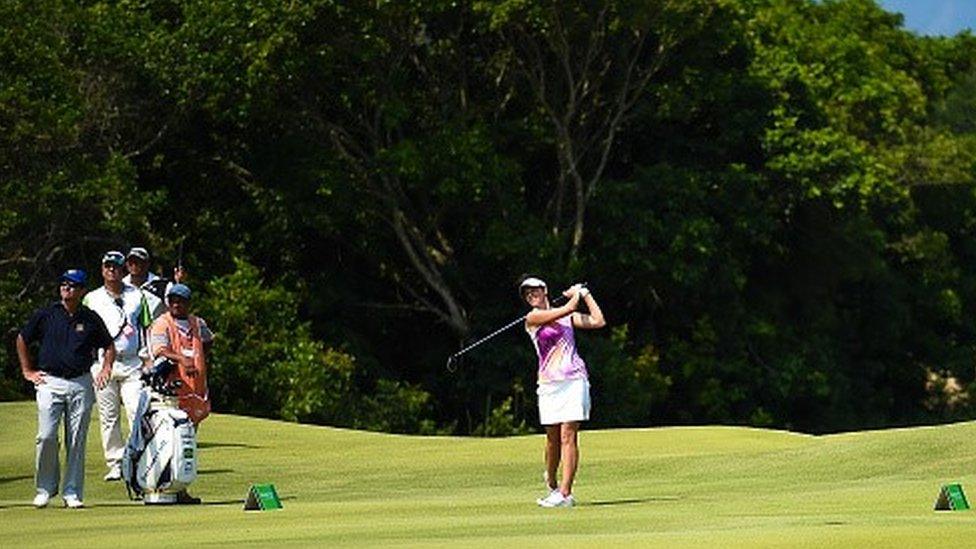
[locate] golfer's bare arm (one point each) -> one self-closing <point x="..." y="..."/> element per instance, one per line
<point x="590" y="321"/>
<point x="539" y="317"/>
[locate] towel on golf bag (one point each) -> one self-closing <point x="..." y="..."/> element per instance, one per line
<point x="160" y="454"/>
<point x="195" y="406"/>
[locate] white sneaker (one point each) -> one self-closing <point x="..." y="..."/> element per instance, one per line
<point x="41" y="499"/>
<point x="113" y="474"/>
<point x="549" y="495"/>
<point x="71" y="501"/>
<point x="556" y="499"/>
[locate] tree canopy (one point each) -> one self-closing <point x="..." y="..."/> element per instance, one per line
<point x="772" y="200"/>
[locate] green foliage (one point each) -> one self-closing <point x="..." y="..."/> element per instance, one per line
<point x="507" y="418"/>
<point x="397" y="407"/>
<point x="269" y="366"/>
<point x="778" y="199"/>
<point x="501" y="422"/>
<point x="266" y="363"/>
<point x="312" y="384"/>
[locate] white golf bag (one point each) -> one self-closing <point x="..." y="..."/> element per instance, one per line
<point x="160" y="457"/>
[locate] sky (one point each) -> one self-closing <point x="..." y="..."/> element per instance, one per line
<point x="935" y="17"/>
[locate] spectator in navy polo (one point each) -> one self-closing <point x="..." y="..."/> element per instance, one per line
<point x="69" y="334"/>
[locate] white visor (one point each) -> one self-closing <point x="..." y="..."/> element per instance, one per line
<point x="532" y="282"/>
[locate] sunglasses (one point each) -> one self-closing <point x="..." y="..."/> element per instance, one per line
<point x="71" y="285"/>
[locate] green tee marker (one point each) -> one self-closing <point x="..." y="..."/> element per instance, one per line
<point x="951" y="498"/>
<point x="262" y="497"/>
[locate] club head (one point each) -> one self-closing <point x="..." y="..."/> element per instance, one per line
<point x="452" y="364"/>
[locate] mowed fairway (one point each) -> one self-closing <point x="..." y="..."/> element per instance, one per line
<point x="719" y="486"/>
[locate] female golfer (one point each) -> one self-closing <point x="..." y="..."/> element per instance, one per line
<point x="564" y="390"/>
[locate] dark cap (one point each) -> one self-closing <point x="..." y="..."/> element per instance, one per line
<point x="114" y="257"/>
<point x="138" y="252"/>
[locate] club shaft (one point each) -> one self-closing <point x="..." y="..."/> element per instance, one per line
<point x="489" y="336"/>
<point x="556" y="302"/>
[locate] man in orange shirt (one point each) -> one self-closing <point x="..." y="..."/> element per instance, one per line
<point x="185" y="340"/>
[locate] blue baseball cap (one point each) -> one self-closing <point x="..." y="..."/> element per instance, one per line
<point x="75" y="276"/>
<point x="181" y="290"/>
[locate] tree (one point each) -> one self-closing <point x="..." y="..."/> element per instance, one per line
<point x="587" y="65"/>
<point x="69" y="129"/>
<point x="388" y="96"/>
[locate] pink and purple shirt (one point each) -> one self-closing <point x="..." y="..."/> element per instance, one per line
<point x="555" y="344"/>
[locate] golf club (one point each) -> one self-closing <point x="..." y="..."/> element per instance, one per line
<point x="452" y="360"/>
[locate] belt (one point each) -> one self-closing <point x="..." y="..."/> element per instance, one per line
<point x="66" y="375"/>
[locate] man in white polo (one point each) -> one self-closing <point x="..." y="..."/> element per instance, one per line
<point x="122" y="308"/>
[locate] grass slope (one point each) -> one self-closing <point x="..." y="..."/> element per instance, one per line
<point x="724" y="486"/>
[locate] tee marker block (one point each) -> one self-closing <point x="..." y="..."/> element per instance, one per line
<point x="951" y="498"/>
<point x="262" y="497"/>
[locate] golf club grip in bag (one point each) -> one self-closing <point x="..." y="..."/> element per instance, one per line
<point x="451" y="359"/>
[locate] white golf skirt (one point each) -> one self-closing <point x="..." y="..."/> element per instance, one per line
<point x="564" y="401"/>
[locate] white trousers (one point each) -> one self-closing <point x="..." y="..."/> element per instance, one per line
<point x="70" y="400"/>
<point x="121" y="390"/>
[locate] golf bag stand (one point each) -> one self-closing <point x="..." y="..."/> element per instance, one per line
<point x="160" y="457"/>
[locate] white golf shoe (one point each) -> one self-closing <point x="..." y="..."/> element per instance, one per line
<point x="113" y="474"/>
<point x="41" y="499"/>
<point x="71" y="501"/>
<point x="549" y="495"/>
<point x="557" y="499"/>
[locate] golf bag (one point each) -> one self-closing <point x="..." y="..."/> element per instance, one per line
<point x="160" y="456"/>
<point x="158" y="287"/>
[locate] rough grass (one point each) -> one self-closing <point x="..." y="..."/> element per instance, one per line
<point x="720" y="486"/>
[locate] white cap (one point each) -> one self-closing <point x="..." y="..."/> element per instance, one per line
<point x="532" y="282"/>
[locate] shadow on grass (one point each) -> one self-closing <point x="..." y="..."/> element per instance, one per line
<point x="212" y="503"/>
<point x="5" y="480"/>
<point x="138" y="503"/>
<point x="241" y="501"/>
<point x="628" y="501"/>
<point x="226" y="445"/>
<point x="214" y="471"/>
<point x="26" y="505"/>
<point x="56" y="504"/>
<point x="224" y="502"/>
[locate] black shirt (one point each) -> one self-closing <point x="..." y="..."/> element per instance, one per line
<point x="68" y="342"/>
